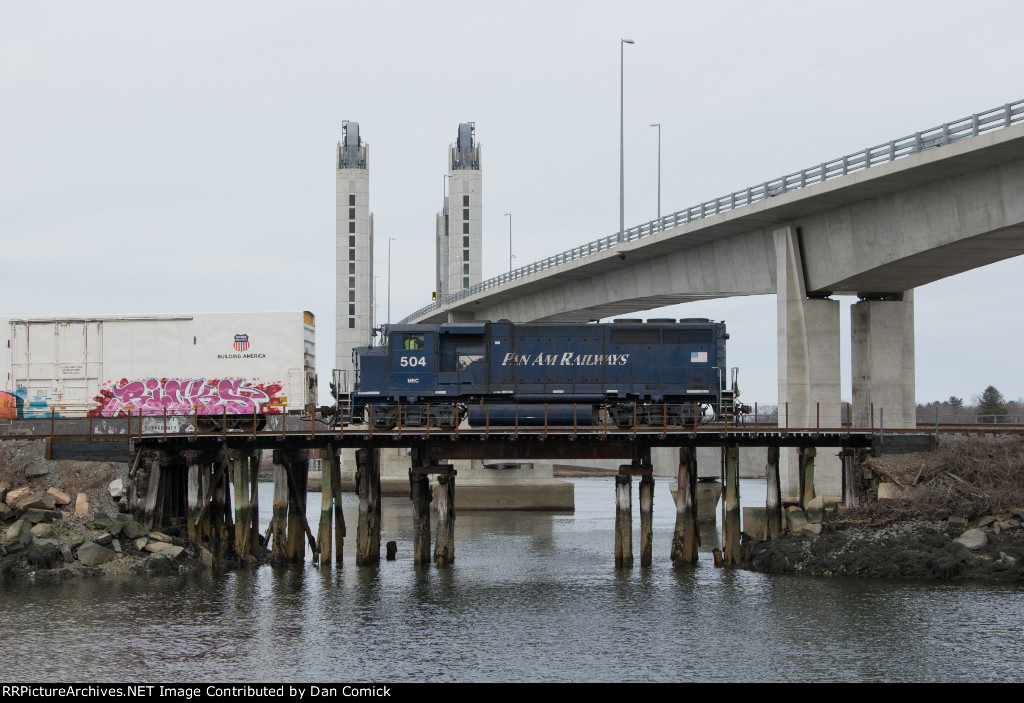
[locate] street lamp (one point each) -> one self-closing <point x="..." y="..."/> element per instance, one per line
<point x="509" y="216"/>
<point x="390" y="239"/>
<point x="658" y="125"/>
<point x="622" y="140"/>
<point x="373" y="310"/>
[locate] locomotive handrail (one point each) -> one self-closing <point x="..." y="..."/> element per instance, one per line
<point x="948" y="133"/>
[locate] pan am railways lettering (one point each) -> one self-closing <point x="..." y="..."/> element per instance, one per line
<point x="565" y="359"/>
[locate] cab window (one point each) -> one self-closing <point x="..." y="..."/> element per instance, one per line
<point x="412" y="341"/>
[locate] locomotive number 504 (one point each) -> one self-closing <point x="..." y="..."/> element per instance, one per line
<point x="412" y="361"/>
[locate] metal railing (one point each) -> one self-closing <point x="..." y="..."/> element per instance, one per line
<point x="948" y="133"/>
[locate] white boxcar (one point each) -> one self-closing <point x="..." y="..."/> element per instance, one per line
<point x="113" y="366"/>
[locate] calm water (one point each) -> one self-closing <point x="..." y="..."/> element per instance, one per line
<point x="531" y="597"/>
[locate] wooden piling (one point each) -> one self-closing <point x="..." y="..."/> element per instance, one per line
<point x="153" y="503"/>
<point x="256" y="549"/>
<point x="623" y="521"/>
<point x="731" y="526"/>
<point x="773" y="499"/>
<point x="238" y="466"/>
<point x="419" y="490"/>
<point x="851" y="497"/>
<point x="646" y="517"/>
<point x="340" y="531"/>
<point x="193" y="496"/>
<point x="222" y="537"/>
<point x="297" y="467"/>
<point x="279" y="519"/>
<point x="687" y="533"/>
<point x="368" y="487"/>
<point x="444" y="548"/>
<point x="806" y="462"/>
<point x="325" y="532"/>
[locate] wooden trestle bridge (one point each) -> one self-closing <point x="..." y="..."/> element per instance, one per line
<point x="206" y="482"/>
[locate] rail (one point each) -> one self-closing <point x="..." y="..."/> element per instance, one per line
<point x="948" y="133"/>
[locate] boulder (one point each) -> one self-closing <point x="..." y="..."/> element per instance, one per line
<point x="116" y="488"/>
<point x="795" y="519"/>
<point x="130" y="528"/>
<point x="59" y="496"/>
<point x="92" y="554"/>
<point x="18" y="536"/>
<point x="4" y="487"/>
<point x="36" y="499"/>
<point x="160" y="536"/>
<point x="172" y="550"/>
<point x="44" y="530"/>
<point x="206" y="556"/>
<point x="35" y="515"/>
<point x="889" y="491"/>
<point x="973" y="539"/>
<point x="100" y="521"/>
<point x="811" y="529"/>
<point x="116" y="546"/>
<point x="140" y="543"/>
<point x="16" y="494"/>
<point x="77" y="540"/>
<point x="36" y="470"/>
<point x="5" y="511"/>
<point x="815" y="510"/>
<point x="104" y="540"/>
<point x="81" y="505"/>
<point x="155" y="547"/>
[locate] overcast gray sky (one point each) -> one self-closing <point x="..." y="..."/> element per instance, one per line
<point x="179" y="157"/>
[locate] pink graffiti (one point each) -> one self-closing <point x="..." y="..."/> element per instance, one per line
<point x="234" y="396"/>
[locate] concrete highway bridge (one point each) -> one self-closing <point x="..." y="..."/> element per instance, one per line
<point x="876" y="224"/>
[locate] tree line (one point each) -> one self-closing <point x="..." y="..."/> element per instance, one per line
<point x="988" y="407"/>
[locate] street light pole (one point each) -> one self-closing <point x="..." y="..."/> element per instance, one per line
<point x="390" y="239"/>
<point x="622" y="140"/>
<point x="509" y="216"/>
<point x="658" y="125"/>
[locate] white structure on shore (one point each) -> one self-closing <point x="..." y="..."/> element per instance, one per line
<point x="354" y="246"/>
<point x="459" y="224"/>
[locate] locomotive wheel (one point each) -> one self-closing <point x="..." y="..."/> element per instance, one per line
<point x="385" y="418"/>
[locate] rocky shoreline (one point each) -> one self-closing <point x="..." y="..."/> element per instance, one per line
<point x="46" y="534"/>
<point x="990" y="550"/>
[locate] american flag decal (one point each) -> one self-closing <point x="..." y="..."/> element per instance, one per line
<point x="241" y="342"/>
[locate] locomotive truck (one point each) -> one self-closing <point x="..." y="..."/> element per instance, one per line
<point x="627" y="373"/>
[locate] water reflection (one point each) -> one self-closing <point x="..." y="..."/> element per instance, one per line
<point x="531" y="596"/>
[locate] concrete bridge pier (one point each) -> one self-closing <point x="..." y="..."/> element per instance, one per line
<point x="808" y="353"/>
<point x="882" y="354"/>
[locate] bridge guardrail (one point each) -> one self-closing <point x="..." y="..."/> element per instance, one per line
<point x="948" y="133"/>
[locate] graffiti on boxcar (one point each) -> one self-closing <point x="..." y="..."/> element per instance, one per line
<point x="153" y="396"/>
<point x="10" y="405"/>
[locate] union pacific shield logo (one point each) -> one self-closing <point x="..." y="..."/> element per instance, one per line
<point x="241" y="342"/>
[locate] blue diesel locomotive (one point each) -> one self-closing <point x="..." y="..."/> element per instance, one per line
<point x="624" y="374"/>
